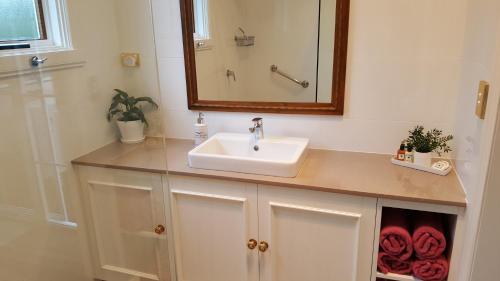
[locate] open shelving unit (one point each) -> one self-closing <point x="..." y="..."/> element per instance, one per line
<point x="453" y="218"/>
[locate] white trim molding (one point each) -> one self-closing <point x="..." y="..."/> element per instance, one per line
<point x="57" y="30"/>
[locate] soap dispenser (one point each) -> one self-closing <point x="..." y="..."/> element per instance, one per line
<point x="401" y="152"/>
<point x="200" y="130"/>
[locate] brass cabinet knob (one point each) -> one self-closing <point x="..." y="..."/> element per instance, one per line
<point x="252" y="244"/>
<point x="263" y="246"/>
<point x="159" y="229"/>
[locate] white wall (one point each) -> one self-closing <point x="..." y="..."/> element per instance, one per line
<point x="136" y="35"/>
<point x="403" y="70"/>
<point x="474" y="136"/>
<point x="485" y="266"/>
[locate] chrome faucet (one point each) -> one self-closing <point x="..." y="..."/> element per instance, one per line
<point x="258" y="129"/>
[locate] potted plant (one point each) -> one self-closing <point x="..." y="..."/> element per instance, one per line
<point x="425" y="143"/>
<point x="129" y="115"/>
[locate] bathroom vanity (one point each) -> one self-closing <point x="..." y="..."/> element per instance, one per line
<point x="156" y="222"/>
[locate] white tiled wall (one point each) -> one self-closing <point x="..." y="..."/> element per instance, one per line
<point x="474" y="136"/>
<point x="136" y="35"/>
<point x="488" y="254"/>
<point x="403" y="70"/>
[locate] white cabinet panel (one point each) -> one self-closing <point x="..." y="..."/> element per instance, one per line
<point x="123" y="210"/>
<point x="314" y="235"/>
<point x="213" y="221"/>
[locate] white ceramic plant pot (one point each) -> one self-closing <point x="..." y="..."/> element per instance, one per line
<point x="131" y="131"/>
<point x="423" y="159"/>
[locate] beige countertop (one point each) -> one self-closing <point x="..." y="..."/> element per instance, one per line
<point x="352" y="173"/>
<point x="148" y="156"/>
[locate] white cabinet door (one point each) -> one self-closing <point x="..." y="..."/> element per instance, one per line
<point x="213" y="221"/>
<point x="315" y="236"/>
<point x="124" y="210"/>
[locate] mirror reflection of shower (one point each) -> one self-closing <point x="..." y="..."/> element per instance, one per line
<point x="244" y="40"/>
<point x="246" y="37"/>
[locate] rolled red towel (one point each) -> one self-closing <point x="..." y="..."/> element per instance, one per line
<point x="387" y="263"/>
<point x="429" y="240"/>
<point x="395" y="238"/>
<point x="431" y="270"/>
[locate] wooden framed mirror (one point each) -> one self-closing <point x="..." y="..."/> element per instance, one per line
<point x="276" y="56"/>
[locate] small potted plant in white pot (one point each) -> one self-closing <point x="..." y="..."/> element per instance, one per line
<point x="129" y="115"/>
<point x="425" y="143"/>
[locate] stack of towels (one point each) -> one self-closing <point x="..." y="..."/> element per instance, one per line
<point x="420" y="253"/>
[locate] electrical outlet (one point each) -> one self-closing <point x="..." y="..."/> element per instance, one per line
<point x="130" y="59"/>
<point x="482" y="99"/>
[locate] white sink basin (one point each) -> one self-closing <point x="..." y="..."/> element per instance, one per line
<point x="276" y="156"/>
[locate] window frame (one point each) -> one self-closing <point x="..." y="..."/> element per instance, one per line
<point x="54" y="28"/>
<point x="203" y="40"/>
<point x="201" y="10"/>
<point x="41" y="20"/>
<point x="41" y="26"/>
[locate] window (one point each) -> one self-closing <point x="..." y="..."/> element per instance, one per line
<point x="200" y="11"/>
<point x="28" y="26"/>
<point x="21" y="20"/>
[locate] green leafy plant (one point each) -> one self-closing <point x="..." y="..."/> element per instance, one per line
<point x="128" y="108"/>
<point x="430" y="141"/>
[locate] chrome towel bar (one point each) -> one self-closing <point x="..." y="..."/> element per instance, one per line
<point x="304" y="83"/>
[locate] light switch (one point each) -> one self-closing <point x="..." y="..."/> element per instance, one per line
<point x="130" y="59"/>
<point x="482" y="99"/>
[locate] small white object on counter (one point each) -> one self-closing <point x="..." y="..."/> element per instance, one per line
<point x="200" y="130"/>
<point x="441" y="167"/>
